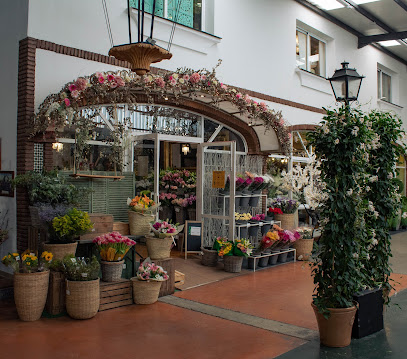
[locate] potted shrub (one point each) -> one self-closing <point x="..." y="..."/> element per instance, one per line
<point x="65" y="229"/>
<point x="31" y="277"/>
<point x="147" y="284"/>
<point x="289" y="208"/>
<point x="82" y="286"/>
<point x="112" y="249"/>
<point x="141" y="210"/>
<point x="159" y="246"/>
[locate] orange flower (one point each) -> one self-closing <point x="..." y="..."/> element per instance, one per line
<point x="277" y="228"/>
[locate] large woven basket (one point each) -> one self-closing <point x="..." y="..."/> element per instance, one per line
<point x="139" y="223"/>
<point x="60" y="250"/>
<point x="159" y="248"/>
<point x="233" y="264"/>
<point x="303" y="248"/>
<point x="287" y="220"/>
<point x="145" y="292"/>
<point x="111" y="271"/>
<point x="82" y="298"/>
<point x="30" y="294"/>
<point x="209" y="257"/>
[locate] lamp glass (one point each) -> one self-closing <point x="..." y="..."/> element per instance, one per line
<point x="185" y="149"/>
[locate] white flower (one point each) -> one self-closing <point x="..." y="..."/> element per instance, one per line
<point x="349" y="192"/>
<point x="376" y="214"/>
<point x="371" y="207"/>
<point x="375" y="242"/>
<point x="373" y="179"/>
<point x="355" y="255"/>
<point x="373" y="233"/>
<point x="367" y="256"/>
<point x="325" y="128"/>
<point x="390" y="175"/>
<point x="336" y="141"/>
<point x="367" y="188"/>
<point x="355" y="131"/>
<point x="404" y="215"/>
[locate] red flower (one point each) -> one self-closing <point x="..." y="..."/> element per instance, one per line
<point x="275" y="210"/>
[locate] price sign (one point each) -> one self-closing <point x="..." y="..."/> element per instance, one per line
<point x="218" y="179"/>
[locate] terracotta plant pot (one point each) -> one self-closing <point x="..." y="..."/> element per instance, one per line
<point x="335" y="331"/>
<point x="60" y="250"/>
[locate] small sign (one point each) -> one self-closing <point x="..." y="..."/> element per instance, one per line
<point x="218" y="179"/>
<point x="194" y="231"/>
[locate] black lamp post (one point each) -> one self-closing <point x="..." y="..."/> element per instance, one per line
<point x="345" y="83"/>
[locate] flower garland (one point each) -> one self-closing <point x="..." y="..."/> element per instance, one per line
<point x="64" y="108"/>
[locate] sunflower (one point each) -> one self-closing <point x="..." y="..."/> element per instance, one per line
<point x="48" y="257"/>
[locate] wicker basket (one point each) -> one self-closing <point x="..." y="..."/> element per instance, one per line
<point x="209" y="257"/>
<point x="82" y="298"/>
<point x="287" y="220"/>
<point x="139" y="223"/>
<point x="159" y="248"/>
<point x="233" y="264"/>
<point x="60" y="250"/>
<point x="30" y="294"/>
<point x="111" y="271"/>
<point x="303" y="248"/>
<point x="145" y="292"/>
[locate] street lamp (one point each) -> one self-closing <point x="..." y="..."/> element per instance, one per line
<point x="345" y="83"/>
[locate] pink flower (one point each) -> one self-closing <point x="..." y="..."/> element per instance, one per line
<point x="110" y="77"/>
<point x="119" y="81"/>
<point x="75" y="93"/>
<point x="281" y="122"/>
<point x="186" y="77"/>
<point x="239" y="95"/>
<point x="247" y="98"/>
<point x="289" y="135"/>
<point x="67" y="102"/>
<point x="113" y="84"/>
<point x="81" y="83"/>
<point x="159" y="81"/>
<point x="101" y="79"/>
<point x="171" y="78"/>
<point x="72" y="87"/>
<point x="209" y="83"/>
<point x="263" y="105"/>
<point x="203" y="77"/>
<point x="98" y="74"/>
<point x="173" y="82"/>
<point x="195" y="77"/>
<point x="223" y="86"/>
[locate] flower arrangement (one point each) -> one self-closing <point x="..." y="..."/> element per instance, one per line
<point x="287" y="206"/>
<point x="288" y="237"/>
<point x="28" y="261"/>
<point x="66" y="228"/>
<point x="242" y="247"/>
<point x="269" y="241"/>
<point x="149" y="271"/>
<point x="80" y="269"/>
<point x="172" y="180"/>
<point x="242" y="216"/>
<point x="167" y="198"/>
<point x="223" y="246"/>
<point x="276" y="210"/>
<point x="258" y="217"/>
<point x="142" y="204"/>
<point x="185" y="202"/>
<point x="305" y="232"/>
<point x="239" y="247"/>
<point x="113" y="246"/>
<point x="163" y="229"/>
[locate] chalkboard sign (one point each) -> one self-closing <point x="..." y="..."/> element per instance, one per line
<point x="192" y="237"/>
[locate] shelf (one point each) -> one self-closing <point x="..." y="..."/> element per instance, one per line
<point x="274" y="254"/>
<point x="115" y="178"/>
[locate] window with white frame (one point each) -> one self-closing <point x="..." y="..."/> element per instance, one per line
<point x="310" y="53"/>
<point x="184" y="12"/>
<point x="384" y="86"/>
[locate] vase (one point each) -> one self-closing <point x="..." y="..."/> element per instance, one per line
<point x="337" y="329"/>
<point x="30" y="294"/>
<point x="180" y="215"/>
<point x="165" y="213"/>
<point x="254" y="229"/>
<point x="303" y="248"/>
<point x="111" y="271"/>
<point x="287" y="220"/>
<point x="282" y="258"/>
<point x="139" y="223"/>
<point x="232" y="264"/>
<point x="82" y="298"/>
<point x="244" y="201"/>
<point x="145" y="292"/>
<point x="209" y="257"/>
<point x="191" y="214"/>
<point x="263" y="261"/>
<point x="159" y="248"/>
<point x="273" y="259"/>
<point x="265" y="228"/>
<point x="255" y="198"/>
<point x="60" y="250"/>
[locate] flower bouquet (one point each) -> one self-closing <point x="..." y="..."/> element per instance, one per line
<point x="147" y="283"/>
<point x="141" y="209"/>
<point x="164" y="229"/>
<point x="142" y="204"/>
<point x="233" y="253"/>
<point x="269" y="241"/>
<point x="159" y="246"/>
<point x="28" y="261"/>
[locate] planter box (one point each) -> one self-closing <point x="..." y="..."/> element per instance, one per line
<point x="115" y="294"/>
<point x="56" y="293"/>
<point x="369" y="317"/>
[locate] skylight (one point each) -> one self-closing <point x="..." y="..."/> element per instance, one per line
<point x="389" y="43"/>
<point x="327" y="4"/>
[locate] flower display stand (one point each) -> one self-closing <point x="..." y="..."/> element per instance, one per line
<point x="115" y="294"/>
<point x="271" y="257"/>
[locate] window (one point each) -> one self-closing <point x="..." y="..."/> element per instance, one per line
<point x="184" y="12"/>
<point x="310" y="53"/>
<point x="383" y="86"/>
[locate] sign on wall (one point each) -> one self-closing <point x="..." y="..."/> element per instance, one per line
<point x="218" y="179"/>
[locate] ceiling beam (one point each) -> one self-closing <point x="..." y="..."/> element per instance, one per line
<point x="401" y="3"/>
<point x="366" y="40"/>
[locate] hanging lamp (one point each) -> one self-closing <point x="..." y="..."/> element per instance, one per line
<point x="142" y="53"/>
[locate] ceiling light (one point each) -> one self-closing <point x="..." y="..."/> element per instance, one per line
<point x="363" y="1"/>
<point x="389" y="43"/>
<point x="327" y="4"/>
<point x="58" y="146"/>
<point x="185" y="148"/>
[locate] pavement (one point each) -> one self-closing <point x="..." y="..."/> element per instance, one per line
<point x="261" y="315"/>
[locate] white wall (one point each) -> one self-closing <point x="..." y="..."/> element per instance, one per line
<point x="13" y="26"/>
<point x="257" y="46"/>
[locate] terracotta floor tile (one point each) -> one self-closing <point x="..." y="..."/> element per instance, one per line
<point x="400" y="282"/>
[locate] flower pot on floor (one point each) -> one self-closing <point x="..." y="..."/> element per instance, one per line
<point x="111" y="271"/>
<point x="233" y="264"/>
<point x="337" y="329"/>
<point x="159" y="248"/>
<point x="145" y="292"/>
<point x="60" y="250"/>
<point x="30" y="294"/>
<point x="263" y="261"/>
<point x="209" y="257"/>
<point x="82" y="298"/>
<point x="139" y="223"/>
<point x="273" y="259"/>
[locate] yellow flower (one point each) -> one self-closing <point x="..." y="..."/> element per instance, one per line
<point x="48" y="257"/>
<point x="4" y="258"/>
<point x="33" y="258"/>
<point x="28" y="263"/>
<point x="25" y="257"/>
<point x="15" y="254"/>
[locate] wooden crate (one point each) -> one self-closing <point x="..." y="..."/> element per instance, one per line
<point x="56" y="293"/>
<point x="179" y="279"/>
<point x="102" y="223"/>
<point x="167" y="287"/>
<point x="115" y="294"/>
<point x="121" y="227"/>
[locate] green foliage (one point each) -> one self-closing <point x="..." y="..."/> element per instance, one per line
<point x="80" y="269"/>
<point x="73" y="224"/>
<point x="48" y="188"/>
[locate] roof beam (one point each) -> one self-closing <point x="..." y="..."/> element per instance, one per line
<point x="401" y="3"/>
<point x="366" y="40"/>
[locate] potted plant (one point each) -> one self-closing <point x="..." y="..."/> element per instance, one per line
<point x="141" y="213"/>
<point x="112" y="249"/>
<point x="82" y="286"/>
<point x="65" y="229"/>
<point x="147" y="284"/>
<point x="272" y="211"/>
<point x="304" y="245"/>
<point x="287" y="239"/>
<point x="233" y="253"/>
<point x="31" y="278"/>
<point x="159" y="246"/>
<point x="289" y="208"/>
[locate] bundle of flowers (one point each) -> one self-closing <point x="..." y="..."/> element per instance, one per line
<point x="242" y="216"/>
<point x="163" y="229"/>
<point x="305" y="232"/>
<point x="173" y="179"/>
<point x="276" y="210"/>
<point x="288" y="237"/>
<point x="258" y="217"/>
<point x="28" y="261"/>
<point x="180" y="202"/>
<point x="223" y="246"/>
<point x="71" y="225"/>
<point x="150" y="271"/>
<point x="269" y="241"/>
<point x="113" y="246"/>
<point x="287" y="206"/>
<point x="242" y="247"/>
<point x="167" y="198"/>
<point x="257" y="183"/>
<point x="142" y="204"/>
